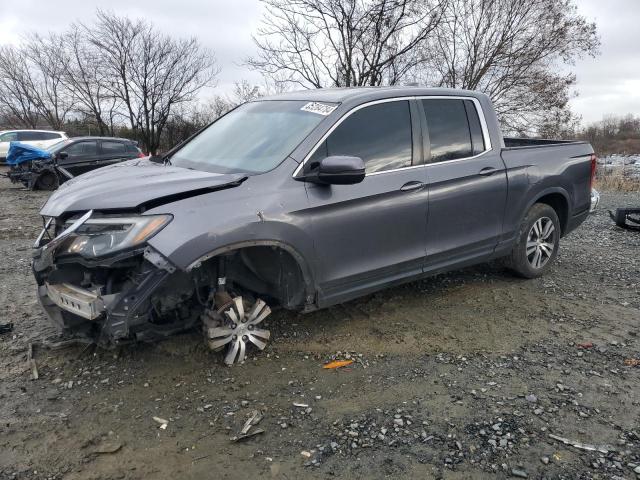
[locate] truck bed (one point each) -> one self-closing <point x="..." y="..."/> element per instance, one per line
<point x="513" y="142"/>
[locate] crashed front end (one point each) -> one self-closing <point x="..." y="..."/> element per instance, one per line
<point x="27" y="173"/>
<point x="98" y="278"/>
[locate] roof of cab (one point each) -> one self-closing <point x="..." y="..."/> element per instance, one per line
<point x="366" y="94"/>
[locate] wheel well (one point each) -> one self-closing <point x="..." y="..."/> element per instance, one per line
<point x="265" y="271"/>
<point x="559" y="203"/>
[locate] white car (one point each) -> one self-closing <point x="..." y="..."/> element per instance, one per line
<point x="37" y="138"/>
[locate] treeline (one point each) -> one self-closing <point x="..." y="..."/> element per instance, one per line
<point x="184" y="120"/>
<point x="114" y="74"/>
<point x="118" y="76"/>
<point x="614" y="134"/>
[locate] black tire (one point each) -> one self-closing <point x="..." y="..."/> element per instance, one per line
<point x="47" y="181"/>
<point x="533" y="261"/>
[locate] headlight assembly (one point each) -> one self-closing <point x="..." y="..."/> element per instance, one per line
<point x="97" y="237"/>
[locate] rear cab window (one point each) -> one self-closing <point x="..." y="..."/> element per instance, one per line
<point x="454" y="129"/>
<point x="380" y="134"/>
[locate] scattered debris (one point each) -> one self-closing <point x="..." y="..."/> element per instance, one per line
<point x="108" y="447"/>
<point x="305" y="454"/>
<point x="301" y="405"/>
<point x="163" y="423"/>
<point x="6" y="327"/>
<point x="337" y="364"/>
<point x="247" y="431"/>
<point x="627" y="218"/>
<point x="516" y="472"/>
<point x="31" y="363"/>
<point x="581" y="446"/>
<point x="632" y="362"/>
<point x="585" y="345"/>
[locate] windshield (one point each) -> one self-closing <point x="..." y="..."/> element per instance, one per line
<point x="254" y="138"/>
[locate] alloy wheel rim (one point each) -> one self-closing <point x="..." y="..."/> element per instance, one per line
<point x="541" y="242"/>
<point x="240" y="328"/>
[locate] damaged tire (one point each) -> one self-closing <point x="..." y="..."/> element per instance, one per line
<point x="538" y="242"/>
<point x="47" y="181"/>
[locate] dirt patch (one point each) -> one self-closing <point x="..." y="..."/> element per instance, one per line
<point x="463" y="375"/>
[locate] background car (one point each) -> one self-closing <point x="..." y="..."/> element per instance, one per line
<point x="72" y="157"/>
<point x="78" y="155"/>
<point x="37" y="138"/>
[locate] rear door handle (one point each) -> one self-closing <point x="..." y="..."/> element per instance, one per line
<point x="410" y="186"/>
<point x="486" y="171"/>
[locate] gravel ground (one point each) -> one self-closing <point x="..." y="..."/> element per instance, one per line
<point x="472" y="374"/>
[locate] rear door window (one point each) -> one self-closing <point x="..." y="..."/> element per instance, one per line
<point x="379" y="134"/>
<point x="477" y="138"/>
<point x="113" y="148"/>
<point x="28" y="136"/>
<point x="448" y="127"/>
<point x="85" y="148"/>
<point x="50" y="136"/>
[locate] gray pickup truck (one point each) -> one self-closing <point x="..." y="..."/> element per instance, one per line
<point x="303" y="200"/>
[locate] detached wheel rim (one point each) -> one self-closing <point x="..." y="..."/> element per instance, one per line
<point x="241" y="327"/>
<point x="541" y="242"/>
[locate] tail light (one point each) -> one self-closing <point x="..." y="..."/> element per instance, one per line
<point x="141" y="154"/>
<point x="593" y="168"/>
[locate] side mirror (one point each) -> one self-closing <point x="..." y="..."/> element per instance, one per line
<point x="62" y="155"/>
<point x="337" y="170"/>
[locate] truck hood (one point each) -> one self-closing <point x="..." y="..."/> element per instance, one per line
<point x="132" y="185"/>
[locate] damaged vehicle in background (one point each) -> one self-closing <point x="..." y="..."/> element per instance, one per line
<point x="302" y="201"/>
<point x="46" y="169"/>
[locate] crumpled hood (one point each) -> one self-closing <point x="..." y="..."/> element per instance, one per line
<point x="132" y="184"/>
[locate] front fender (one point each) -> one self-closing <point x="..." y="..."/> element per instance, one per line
<point x="264" y="210"/>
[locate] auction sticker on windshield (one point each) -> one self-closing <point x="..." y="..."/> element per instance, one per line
<point x="319" y="108"/>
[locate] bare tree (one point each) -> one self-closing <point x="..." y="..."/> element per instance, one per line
<point x="89" y="81"/>
<point x="513" y="50"/>
<point x="16" y="88"/>
<point x="31" y="86"/>
<point x="242" y="92"/>
<point x="45" y="57"/>
<point x="322" y="43"/>
<point x="149" y="72"/>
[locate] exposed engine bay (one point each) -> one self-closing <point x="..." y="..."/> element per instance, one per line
<point x="99" y="280"/>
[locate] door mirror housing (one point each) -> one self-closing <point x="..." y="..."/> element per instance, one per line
<point x="337" y="170"/>
<point x="62" y="155"/>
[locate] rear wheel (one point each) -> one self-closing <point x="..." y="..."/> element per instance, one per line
<point x="538" y="242"/>
<point x="47" y="181"/>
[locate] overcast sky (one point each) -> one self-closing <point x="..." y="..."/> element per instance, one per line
<point x="609" y="84"/>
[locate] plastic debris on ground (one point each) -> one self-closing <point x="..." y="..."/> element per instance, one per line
<point x="337" y="364"/>
<point x="248" y="429"/>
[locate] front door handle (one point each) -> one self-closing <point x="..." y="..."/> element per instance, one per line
<point x="410" y="186"/>
<point x="486" y="171"/>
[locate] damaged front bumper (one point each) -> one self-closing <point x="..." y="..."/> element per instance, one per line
<point x="94" y="311"/>
<point x="113" y="300"/>
<point x="28" y="173"/>
<point x="79" y="301"/>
